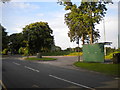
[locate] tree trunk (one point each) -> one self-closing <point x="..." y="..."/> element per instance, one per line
<point x="39" y="55"/>
<point x="83" y="39"/>
<point x="91" y="36"/>
<point x="91" y="29"/>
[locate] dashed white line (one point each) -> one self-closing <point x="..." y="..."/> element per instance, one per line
<point x="32" y="69"/>
<point x="2" y="85"/>
<point x="72" y="82"/>
<point x="16" y="63"/>
<point x="117" y="78"/>
<point x="35" y="86"/>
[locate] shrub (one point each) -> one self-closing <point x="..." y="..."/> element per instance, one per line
<point x="23" y="50"/>
<point x="5" y="51"/>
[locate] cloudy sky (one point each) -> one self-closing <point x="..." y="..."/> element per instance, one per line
<point x="19" y="13"/>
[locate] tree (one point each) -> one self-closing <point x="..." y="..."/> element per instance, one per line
<point x="4" y="37"/>
<point x="16" y="40"/>
<point x="81" y="20"/>
<point x="38" y="36"/>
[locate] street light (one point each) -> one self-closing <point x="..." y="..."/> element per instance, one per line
<point x="104" y="36"/>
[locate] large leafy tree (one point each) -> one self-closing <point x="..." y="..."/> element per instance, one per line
<point x="39" y="36"/>
<point x="81" y="20"/>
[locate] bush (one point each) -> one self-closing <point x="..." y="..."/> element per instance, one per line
<point x="5" y="51"/>
<point x="23" y="51"/>
<point x="110" y="56"/>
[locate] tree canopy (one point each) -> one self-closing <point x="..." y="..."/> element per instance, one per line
<point x="38" y="36"/>
<point x="15" y="42"/>
<point x="81" y="20"/>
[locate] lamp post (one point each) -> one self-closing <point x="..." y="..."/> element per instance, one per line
<point x="104" y="36"/>
<point x="118" y="24"/>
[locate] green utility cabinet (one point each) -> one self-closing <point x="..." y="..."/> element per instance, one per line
<point x="93" y="52"/>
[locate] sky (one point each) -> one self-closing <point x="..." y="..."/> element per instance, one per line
<point x="16" y="14"/>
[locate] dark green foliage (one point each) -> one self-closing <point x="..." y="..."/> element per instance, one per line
<point x="110" y="50"/>
<point x="5" y="51"/>
<point x="15" y="42"/>
<point x="38" y="36"/>
<point x="55" y="48"/>
<point x="4" y="37"/>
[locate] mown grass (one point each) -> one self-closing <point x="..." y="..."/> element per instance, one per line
<point x="41" y="59"/>
<point x="109" y="69"/>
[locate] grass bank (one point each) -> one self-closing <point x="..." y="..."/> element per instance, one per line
<point x="109" y="69"/>
<point x="41" y="59"/>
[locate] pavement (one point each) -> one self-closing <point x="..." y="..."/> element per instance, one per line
<point x="19" y="73"/>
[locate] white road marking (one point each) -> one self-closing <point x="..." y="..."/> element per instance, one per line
<point x="16" y="63"/>
<point x="72" y="82"/>
<point x="32" y="69"/>
<point x="35" y="86"/>
<point x="2" y="85"/>
<point x="117" y="78"/>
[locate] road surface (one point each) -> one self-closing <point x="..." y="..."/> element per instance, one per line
<point x="28" y="74"/>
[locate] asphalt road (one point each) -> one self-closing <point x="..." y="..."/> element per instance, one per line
<point x="27" y="74"/>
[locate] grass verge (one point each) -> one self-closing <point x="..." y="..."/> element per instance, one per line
<point x="109" y="69"/>
<point x="41" y="59"/>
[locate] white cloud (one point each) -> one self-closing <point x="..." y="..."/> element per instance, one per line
<point x="24" y="5"/>
<point x="0" y="12"/>
<point x="111" y="30"/>
<point x="60" y="30"/>
<point x="18" y="30"/>
<point x="40" y="14"/>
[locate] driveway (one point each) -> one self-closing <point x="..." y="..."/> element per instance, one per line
<point x="62" y="61"/>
